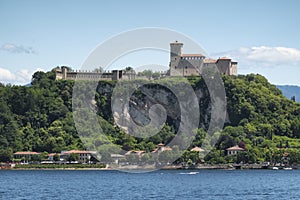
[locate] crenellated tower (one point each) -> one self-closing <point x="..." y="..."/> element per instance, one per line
<point x="175" y="55"/>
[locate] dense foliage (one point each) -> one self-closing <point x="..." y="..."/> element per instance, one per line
<point x="39" y="118"/>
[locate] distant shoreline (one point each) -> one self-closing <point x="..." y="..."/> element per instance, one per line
<point x="174" y="167"/>
<point x="62" y="169"/>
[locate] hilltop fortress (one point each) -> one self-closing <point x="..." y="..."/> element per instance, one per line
<point x="180" y="65"/>
<point x="193" y="64"/>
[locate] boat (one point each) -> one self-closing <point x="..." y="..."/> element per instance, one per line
<point x="194" y="173"/>
<point x="275" y="168"/>
<point x="189" y="173"/>
<point x="287" y="168"/>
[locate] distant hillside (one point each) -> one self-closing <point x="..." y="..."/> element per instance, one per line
<point x="290" y="90"/>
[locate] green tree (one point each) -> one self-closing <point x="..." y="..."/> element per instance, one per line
<point x="56" y="157"/>
<point x="36" y="158"/>
<point x="73" y="157"/>
<point x="5" y="155"/>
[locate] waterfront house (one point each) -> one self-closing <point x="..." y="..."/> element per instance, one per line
<point x="116" y="158"/>
<point x="83" y="156"/>
<point x="234" y="150"/>
<point x="160" y="148"/>
<point x="51" y="155"/>
<point x="135" y="152"/>
<point x="25" y="154"/>
<point x="197" y="149"/>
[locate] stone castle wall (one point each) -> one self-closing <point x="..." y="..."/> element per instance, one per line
<point x="62" y="73"/>
<point x="180" y="65"/>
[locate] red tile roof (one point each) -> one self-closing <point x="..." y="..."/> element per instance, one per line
<point x="197" y="149"/>
<point x="77" y="152"/>
<point x="235" y="148"/>
<point x="210" y="61"/>
<point x="164" y="149"/>
<point x="26" y="153"/>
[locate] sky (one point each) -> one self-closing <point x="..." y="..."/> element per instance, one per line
<point x="262" y="35"/>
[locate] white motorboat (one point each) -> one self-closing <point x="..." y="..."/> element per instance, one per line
<point x="287" y="168"/>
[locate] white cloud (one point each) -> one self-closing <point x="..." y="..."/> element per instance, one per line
<point x="264" y="56"/>
<point x="19" y="77"/>
<point x="13" y="48"/>
<point x="6" y="75"/>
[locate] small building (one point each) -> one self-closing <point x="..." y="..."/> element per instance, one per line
<point x="160" y="148"/>
<point x="234" y="150"/>
<point x="25" y="154"/>
<point x="198" y="149"/>
<point x="83" y="156"/>
<point x="51" y="155"/>
<point x="116" y="158"/>
<point x="201" y="153"/>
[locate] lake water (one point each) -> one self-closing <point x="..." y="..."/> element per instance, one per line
<point x="163" y="184"/>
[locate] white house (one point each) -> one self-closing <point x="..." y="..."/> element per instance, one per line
<point x="84" y="156"/>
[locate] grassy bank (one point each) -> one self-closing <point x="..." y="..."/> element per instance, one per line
<point x="59" y="166"/>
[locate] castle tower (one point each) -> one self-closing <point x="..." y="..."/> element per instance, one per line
<point x="175" y="54"/>
<point x="64" y="72"/>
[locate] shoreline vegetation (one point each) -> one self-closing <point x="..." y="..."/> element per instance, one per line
<point x="37" y="124"/>
<point x="136" y="167"/>
<point x="60" y="166"/>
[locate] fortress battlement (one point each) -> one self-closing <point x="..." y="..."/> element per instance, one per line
<point x="180" y="65"/>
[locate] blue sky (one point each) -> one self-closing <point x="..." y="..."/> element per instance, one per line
<point x="263" y="36"/>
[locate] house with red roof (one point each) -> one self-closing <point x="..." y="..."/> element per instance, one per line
<point x="25" y="154"/>
<point x="83" y="156"/>
<point x="161" y="147"/>
<point x="51" y="155"/>
<point x="135" y="152"/>
<point x="234" y="150"/>
<point x="197" y="149"/>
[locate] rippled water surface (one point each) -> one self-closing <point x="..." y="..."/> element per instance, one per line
<point x="163" y="184"/>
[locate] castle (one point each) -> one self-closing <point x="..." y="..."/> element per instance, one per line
<point x="180" y="65"/>
<point x="193" y="64"/>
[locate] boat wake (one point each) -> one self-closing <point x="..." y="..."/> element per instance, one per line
<point x="190" y="173"/>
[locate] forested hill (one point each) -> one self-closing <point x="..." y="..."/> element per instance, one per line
<point x="39" y="118"/>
